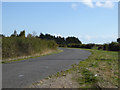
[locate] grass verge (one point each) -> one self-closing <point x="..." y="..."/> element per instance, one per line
<point x="100" y="70"/>
<point x="48" y="52"/>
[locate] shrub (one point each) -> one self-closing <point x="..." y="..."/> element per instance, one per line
<point x="114" y="46"/>
<point x="20" y="46"/>
<point x="105" y="47"/>
<point x="89" y="46"/>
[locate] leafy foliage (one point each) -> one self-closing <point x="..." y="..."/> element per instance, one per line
<point x="89" y="76"/>
<point x="22" y="33"/>
<point x="113" y="46"/>
<point x="70" y="40"/>
<point x="61" y="41"/>
<point x="22" y="46"/>
<point x="118" y="40"/>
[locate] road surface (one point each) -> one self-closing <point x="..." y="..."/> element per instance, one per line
<point x="20" y="74"/>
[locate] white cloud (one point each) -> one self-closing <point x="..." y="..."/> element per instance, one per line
<point x="87" y="37"/>
<point x="106" y="4"/>
<point x="74" y="5"/>
<point x="88" y="3"/>
<point x="97" y="38"/>
<point x="99" y="4"/>
<point x="108" y="36"/>
<point x="57" y="35"/>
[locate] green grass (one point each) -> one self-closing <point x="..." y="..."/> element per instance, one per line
<point x="103" y="64"/>
<point x="26" y="58"/>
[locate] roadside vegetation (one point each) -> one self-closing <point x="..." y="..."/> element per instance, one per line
<point x="17" y="46"/>
<point x="100" y="70"/>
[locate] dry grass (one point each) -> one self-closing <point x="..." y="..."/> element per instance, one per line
<point x="43" y="53"/>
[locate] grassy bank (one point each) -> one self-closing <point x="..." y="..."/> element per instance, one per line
<point x="22" y="47"/>
<point x="100" y="70"/>
<point x="47" y="52"/>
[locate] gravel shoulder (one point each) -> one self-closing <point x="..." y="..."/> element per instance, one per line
<point x="57" y="82"/>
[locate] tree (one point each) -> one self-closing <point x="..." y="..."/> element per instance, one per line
<point x="105" y="46"/>
<point x="118" y="40"/>
<point x="41" y="36"/>
<point x="60" y="40"/>
<point x="14" y="34"/>
<point x="70" y="40"/>
<point x="114" y="46"/>
<point x="22" y="33"/>
<point x="29" y="35"/>
<point x="90" y="45"/>
<point x="1" y="35"/>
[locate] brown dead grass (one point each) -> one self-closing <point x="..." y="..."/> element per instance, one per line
<point x="43" y="53"/>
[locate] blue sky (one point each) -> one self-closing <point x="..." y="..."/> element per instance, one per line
<point x="93" y="22"/>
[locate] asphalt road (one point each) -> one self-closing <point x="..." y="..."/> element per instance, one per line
<point x="20" y="74"/>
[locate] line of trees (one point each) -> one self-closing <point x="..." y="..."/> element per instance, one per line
<point x="74" y="42"/>
<point x="61" y="41"/>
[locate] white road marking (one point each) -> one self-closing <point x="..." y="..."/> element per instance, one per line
<point x="21" y="75"/>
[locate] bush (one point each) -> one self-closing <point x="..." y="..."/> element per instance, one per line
<point x="73" y="45"/>
<point x="21" y="46"/>
<point x="114" y="46"/>
<point x="89" y="46"/>
<point x="105" y="47"/>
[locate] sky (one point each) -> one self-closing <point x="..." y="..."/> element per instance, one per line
<point x="91" y="22"/>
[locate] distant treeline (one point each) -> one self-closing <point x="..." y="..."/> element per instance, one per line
<point x="19" y="45"/>
<point x="61" y="41"/>
<point x="74" y="42"/>
<point x="113" y="46"/>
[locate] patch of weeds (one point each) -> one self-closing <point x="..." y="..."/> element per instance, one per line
<point x="67" y="71"/>
<point x="88" y="76"/>
<point x="116" y="73"/>
<point x="73" y="65"/>
<point x="102" y="69"/>
<point x="97" y="71"/>
<point x="57" y="74"/>
<point x="80" y="81"/>
<point x="88" y="79"/>
<point x="95" y="64"/>
<point x="109" y="63"/>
